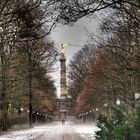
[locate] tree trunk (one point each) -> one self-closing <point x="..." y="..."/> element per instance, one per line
<point x="4" y="116"/>
<point x="3" y="90"/>
<point x="30" y="92"/>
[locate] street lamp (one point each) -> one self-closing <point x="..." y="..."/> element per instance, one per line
<point x="97" y="109"/>
<point x="21" y="109"/>
<point x="137" y="96"/>
<point x="10" y="105"/>
<point x="105" y="105"/>
<point x="118" y="102"/>
<point x="37" y="115"/>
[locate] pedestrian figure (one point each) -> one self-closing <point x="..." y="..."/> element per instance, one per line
<point x="63" y="122"/>
<point x="84" y="119"/>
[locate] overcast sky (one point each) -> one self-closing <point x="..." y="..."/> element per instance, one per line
<point x="73" y="37"/>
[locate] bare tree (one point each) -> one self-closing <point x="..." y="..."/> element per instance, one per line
<point x="20" y="21"/>
<point x="74" y="10"/>
<point x="78" y="70"/>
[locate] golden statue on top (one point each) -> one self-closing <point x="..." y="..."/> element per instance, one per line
<point x="62" y="48"/>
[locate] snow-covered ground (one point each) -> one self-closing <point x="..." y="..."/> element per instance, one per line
<point x="55" y="131"/>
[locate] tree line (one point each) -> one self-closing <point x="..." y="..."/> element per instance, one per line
<point x="107" y="83"/>
<point x="107" y="69"/>
<point x="26" y="60"/>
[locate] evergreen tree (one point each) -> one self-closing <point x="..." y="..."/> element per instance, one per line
<point x="118" y="127"/>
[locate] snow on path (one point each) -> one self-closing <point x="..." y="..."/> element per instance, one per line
<point x="57" y="131"/>
<point x="86" y="131"/>
<point x="23" y="134"/>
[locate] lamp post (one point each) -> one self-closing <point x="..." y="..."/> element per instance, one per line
<point x="36" y="120"/>
<point x="86" y="115"/>
<point x="97" y="110"/>
<point x="106" y="108"/>
<point x="21" y="109"/>
<point x="21" y="115"/>
<point x="137" y="97"/>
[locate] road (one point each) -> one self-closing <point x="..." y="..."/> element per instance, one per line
<point x="55" y="131"/>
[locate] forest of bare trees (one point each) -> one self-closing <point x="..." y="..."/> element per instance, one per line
<point x="112" y="72"/>
<point x="27" y="58"/>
